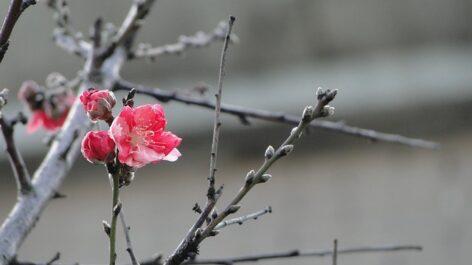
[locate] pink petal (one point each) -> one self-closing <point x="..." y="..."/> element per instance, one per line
<point x="173" y="155"/>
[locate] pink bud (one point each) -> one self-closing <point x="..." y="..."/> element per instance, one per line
<point x="98" y="103"/>
<point x="97" y="147"/>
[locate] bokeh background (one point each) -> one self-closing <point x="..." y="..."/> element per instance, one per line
<point x="401" y="66"/>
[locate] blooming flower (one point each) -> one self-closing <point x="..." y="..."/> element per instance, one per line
<point x="140" y="137"/>
<point x="97" y="147"/>
<point x="98" y="103"/>
<point x="49" y="110"/>
<point x="39" y="118"/>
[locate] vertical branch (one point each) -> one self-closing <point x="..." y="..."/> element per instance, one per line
<point x="20" y="171"/>
<point x="335" y="252"/>
<point x="217" y="123"/>
<point x="116" y="208"/>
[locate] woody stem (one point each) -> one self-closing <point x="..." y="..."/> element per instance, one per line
<point x="114" y="215"/>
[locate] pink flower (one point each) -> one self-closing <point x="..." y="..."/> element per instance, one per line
<point x="97" y="147"/>
<point x="98" y="103"/>
<point x="140" y="137"/>
<point x="41" y="119"/>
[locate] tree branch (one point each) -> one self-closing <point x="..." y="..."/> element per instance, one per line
<point x="300" y="254"/>
<point x="245" y="113"/>
<point x="14" y="11"/>
<point x="18" y="165"/>
<point x="131" y="24"/>
<point x="65" y="36"/>
<point x="189" y="245"/>
<point x="242" y="219"/>
<point x="129" y="246"/>
<point x="198" y="40"/>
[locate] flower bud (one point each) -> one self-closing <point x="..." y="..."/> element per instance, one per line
<point x="269" y="153"/>
<point x="250" y="177"/>
<point x="265" y="178"/>
<point x="97" y="147"/>
<point x="98" y="103"/>
<point x="286" y="149"/>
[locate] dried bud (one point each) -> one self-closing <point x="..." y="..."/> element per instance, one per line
<point x="214" y="213"/>
<point x="106" y="227"/>
<point x="97" y="147"/>
<point x="286" y="149"/>
<point x="250" y="176"/>
<point x="98" y="103"/>
<point x="233" y="209"/>
<point x="269" y="153"/>
<point x="308" y="113"/>
<point x="265" y="177"/>
<point x="214" y="233"/>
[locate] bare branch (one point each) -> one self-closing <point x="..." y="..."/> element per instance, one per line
<point x="335" y="252"/>
<point x="276" y="255"/>
<point x="65" y="36"/>
<point x="191" y="240"/>
<point x="198" y="40"/>
<point x="18" y="165"/>
<point x="217" y="122"/>
<point x="131" y="24"/>
<point x="129" y="246"/>
<point x="245" y="113"/>
<point x="300" y="254"/>
<point x="242" y="219"/>
<point x="15" y="9"/>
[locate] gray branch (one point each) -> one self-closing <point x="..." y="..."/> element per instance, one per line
<point x="245" y="113"/>
<point x="242" y="219"/>
<point x="198" y="40"/>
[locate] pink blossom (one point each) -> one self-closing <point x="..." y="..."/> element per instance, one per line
<point x="140" y="137"/>
<point x="41" y="119"/>
<point x="98" y="103"/>
<point x="97" y="147"/>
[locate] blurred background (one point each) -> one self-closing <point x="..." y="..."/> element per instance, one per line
<point x="401" y="66"/>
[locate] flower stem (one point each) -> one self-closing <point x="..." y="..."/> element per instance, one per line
<point x="114" y="215"/>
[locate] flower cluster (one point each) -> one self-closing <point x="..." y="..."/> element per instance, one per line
<point x="136" y="136"/>
<point x="49" y="108"/>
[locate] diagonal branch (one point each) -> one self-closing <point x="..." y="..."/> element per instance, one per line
<point x="131" y="24"/>
<point x="65" y="36"/>
<point x="14" y="11"/>
<point x="245" y="113"/>
<point x="198" y="40"/>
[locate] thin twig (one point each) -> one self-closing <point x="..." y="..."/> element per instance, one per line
<point x="189" y="245"/>
<point x="129" y="246"/>
<point x="15" y="9"/>
<point x="18" y="165"/>
<point x="244" y="113"/>
<point x="242" y="219"/>
<point x="217" y="121"/>
<point x="198" y="40"/>
<point x="299" y="254"/>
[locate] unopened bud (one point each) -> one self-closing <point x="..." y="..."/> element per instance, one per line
<point x="233" y="209"/>
<point x="286" y="149"/>
<point x="250" y="176"/>
<point x="265" y="177"/>
<point x="106" y="227"/>
<point x="97" y="147"/>
<point x="307" y="113"/>
<point x="328" y="111"/>
<point x="214" y="233"/>
<point x="117" y="209"/>
<point x="98" y="103"/>
<point x="269" y="153"/>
